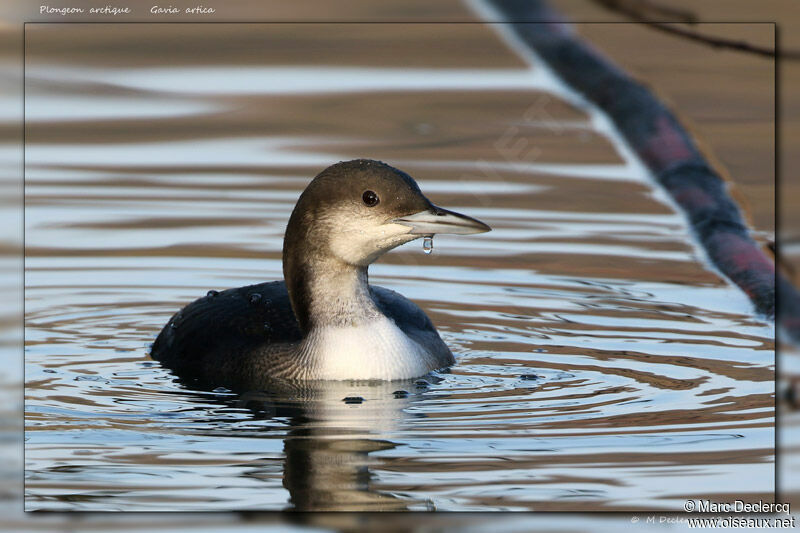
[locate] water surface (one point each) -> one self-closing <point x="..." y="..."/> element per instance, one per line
<point x="601" y="363"/>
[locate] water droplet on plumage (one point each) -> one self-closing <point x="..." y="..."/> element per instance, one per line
<point x="255" y="298"/>
<point x="212" y="293"/>
<point x="427" y="244"/>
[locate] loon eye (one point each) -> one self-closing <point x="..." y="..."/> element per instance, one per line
<point x="370" y="198"/>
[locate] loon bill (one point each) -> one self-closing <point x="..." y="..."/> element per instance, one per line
<point x="325" y="321"/>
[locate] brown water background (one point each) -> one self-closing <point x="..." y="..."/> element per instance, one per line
<point x="602" y="364"/>
<point x="714" y="84"/>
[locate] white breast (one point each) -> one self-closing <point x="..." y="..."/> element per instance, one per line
<point x="376" y="349"/>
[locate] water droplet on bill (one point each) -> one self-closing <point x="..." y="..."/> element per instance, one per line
<point x="427" y="244"/>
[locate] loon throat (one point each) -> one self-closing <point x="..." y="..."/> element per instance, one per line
<point x="347" y="336"/>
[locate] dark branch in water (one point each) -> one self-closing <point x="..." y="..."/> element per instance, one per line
<point x="644" y="11"/>
<point x="654" y="133"/>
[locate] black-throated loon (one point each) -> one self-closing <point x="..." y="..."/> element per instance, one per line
<point x="324" y="321"/>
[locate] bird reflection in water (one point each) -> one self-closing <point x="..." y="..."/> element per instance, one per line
<point x="334" y="427"/>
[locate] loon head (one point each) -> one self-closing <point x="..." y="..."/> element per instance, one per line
<point x="348" y="216"/>
<point x="356" y="211"/>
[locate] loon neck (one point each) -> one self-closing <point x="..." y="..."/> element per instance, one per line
<point x="327" y="292"/>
